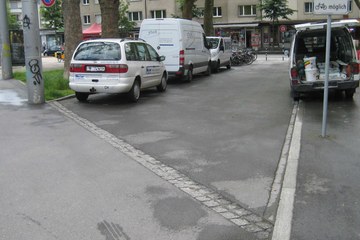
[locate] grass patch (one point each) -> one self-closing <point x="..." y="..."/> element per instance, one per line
<point x="55" y="85"/>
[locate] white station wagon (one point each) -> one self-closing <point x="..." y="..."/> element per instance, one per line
<point x="116" y="66"/>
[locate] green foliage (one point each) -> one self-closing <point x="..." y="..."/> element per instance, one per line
<point x="12" y="21"/>
<point x="124" y="23"/>
<point x="275" y="9"/>
<point x="196" y="12"/>
<point x="53" y="16"/>
<point x="55" y="85"/>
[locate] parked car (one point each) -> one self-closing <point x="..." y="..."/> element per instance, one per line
<point x="116" y="66"/>
<point x="182" y="42"/>
<point x="52" y="50"/>
<point x="220" y="52"/>
<point x="307" y="59"/>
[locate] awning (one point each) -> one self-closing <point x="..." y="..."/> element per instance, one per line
<point x="94" y="29"/>
<point x="240" y="25"/>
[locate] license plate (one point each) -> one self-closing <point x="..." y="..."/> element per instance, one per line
<point x="95" y="68"/>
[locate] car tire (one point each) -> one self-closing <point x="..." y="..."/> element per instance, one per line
<point x="81" y="96"/>
<point x="134" y="93"/>
<point x="229" y="65"/>
<point x="208" y="70"/>
<point x="349" y="93"/>
<point x="217" y="67"/>
<point x="295" y="95"/>
<point x="189" y="76"/>
<point x="163" y="84"/>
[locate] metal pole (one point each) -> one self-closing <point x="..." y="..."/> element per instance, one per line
<point x="326" y="83"/>
<point x="32" y="45"/>
<point x="6" y="65"/>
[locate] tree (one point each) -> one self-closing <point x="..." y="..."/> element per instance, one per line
<point x="274" y="10"/>
<point x="208" y="17"/>
<point x="187" y="9"/>
<point x="357" y="3"/>
<point x="53" y="16"/>
<point x="12" y="21"/>
<point x="196" y="12"/>
<point x="72" y="30"/>
<point x="124" y="23"/>
<point x="110" y="18"/>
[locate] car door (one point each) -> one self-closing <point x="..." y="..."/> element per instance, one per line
<point x="155" y="67"/>
<point x="147" y="75"/>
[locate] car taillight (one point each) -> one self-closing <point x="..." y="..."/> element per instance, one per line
<point x="354" y="67"/>
<point x="294" y="73"/>
<point x="116" y="68"/>
<point x="77" y="68"/>
<point x="182" y="57"/>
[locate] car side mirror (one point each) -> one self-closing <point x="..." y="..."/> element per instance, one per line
<point x="222" y="48"/>
<point x="161" y="58"/>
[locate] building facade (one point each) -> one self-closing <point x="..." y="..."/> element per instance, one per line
<point x="240" y="19"/>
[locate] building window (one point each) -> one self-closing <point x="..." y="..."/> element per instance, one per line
<point x="86" y="2"/>
<point x="158" y="14"/>
<point x="98" y="18"/>
<point x="86" y="19"/>
<point x="309" y="7"/>
<point x="217" y="12"/>
<point x="135" y="16"/>
<point x="350" y="6"/>
<point x="247" y="10"/>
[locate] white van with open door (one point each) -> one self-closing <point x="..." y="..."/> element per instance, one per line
<point x="182" y="42"/>
<point x="307" y="59"/>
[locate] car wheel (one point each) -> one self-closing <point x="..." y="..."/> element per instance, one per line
<point x="82" y="97"/>
<point x="134" y="93"/>
<point x="163" y="84"/>
<point x="208" y="70"/>
<point x="189" y="76"/>
<point x="349" y="93"/>
<point x="229" y="65"/>
<point x="295" y="95"/>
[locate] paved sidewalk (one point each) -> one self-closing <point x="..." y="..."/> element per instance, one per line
<point x="60" y="181"/>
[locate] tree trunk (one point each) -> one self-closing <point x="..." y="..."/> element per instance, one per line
<point x="357" y="3"/>
<point x="73" y="30"/>
<point x="208" y="18"/>
<point x="110" y="18"/>
<point x="187" y="9"/>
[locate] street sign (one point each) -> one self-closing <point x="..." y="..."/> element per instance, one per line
<point x="331" y="7"/>
<point x="48" y="3"/>
<point x="282" y="28"/>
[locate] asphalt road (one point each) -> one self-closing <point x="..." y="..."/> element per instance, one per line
<point x="225" y="131"/>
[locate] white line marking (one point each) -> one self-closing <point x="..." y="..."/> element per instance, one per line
<point x="282" y="228"/>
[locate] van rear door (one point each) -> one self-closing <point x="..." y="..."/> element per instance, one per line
<point x="164" y="37"/>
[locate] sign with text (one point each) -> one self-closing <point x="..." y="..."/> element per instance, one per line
<point x="330" y="7"/>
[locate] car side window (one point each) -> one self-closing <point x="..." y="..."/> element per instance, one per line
<point x="153" y="53"/>
<point x="131" y="52"/>
<point x="142" y="51"/>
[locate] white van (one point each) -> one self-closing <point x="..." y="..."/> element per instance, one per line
<point x="307" y="59"/>
<point x="220" y="52"/>
<point x="182" y="42"/>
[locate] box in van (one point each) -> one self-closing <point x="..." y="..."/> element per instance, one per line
<point x="182" y="42"/>
<point x="220" y="52"/>
<point x="307" y="59"/>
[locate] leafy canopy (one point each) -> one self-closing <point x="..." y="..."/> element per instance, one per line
<point x="53" y="16"/>
<point x="275" y="9"/>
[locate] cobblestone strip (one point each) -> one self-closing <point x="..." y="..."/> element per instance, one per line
<point x="233" y="212"/>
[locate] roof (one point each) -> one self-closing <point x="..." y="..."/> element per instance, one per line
<point x="347" y="23"/>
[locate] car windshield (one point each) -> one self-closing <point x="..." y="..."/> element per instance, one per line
<point x="98" y="51"/>
<point x="214" y="42"/>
